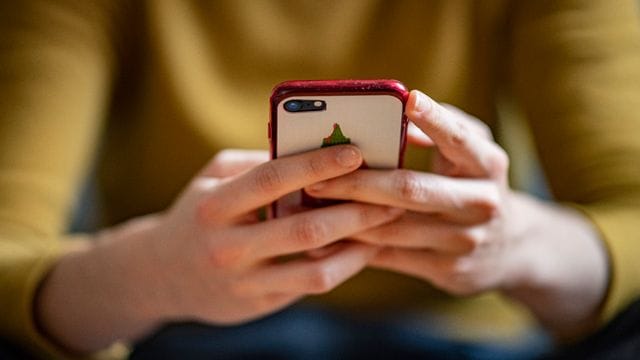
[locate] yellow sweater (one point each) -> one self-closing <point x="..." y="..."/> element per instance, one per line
<point x="149" y="90"/>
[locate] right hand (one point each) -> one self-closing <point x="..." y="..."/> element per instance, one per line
<point x="212" y="260"/>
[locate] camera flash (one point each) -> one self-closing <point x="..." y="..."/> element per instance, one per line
<point x="317" y="104"/>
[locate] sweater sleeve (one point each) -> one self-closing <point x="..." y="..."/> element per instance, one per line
<point x="576" y="73"/>
<point x="55" y="68"/>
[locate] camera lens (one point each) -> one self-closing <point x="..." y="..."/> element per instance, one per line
<point x="293" y="105"/>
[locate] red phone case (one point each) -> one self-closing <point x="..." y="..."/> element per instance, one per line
<point x="288" y="89"/>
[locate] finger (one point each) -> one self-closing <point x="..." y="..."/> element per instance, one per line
<point x="417" y="137"/>
<point x="309" y="230"/>
<point x="419" y="231"/>
<point x="251" y="217"/>
<point x="272" y="302"/>
<point x="325" y="250"/>
<point x="426" y="265"/>
<point x="234" y="161"/>
<point x="310" y="276"/>
<point x="471" y="154"/>
<point x="291" y="204"/>
<point x="474" y="124"/>
<point x="269" y="181"/>
<point x="464" y="200"/>
<point x="258" y="306"/>
<point x="456" y="274"/>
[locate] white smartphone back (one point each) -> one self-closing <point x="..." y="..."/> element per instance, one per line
<point x="371" y="122"/>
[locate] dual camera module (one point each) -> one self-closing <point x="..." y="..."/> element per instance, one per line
<point x="299" y="105"/>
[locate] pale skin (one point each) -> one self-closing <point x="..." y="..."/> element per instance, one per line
<point x="466" y="232"/>
<point x="208" y="258"/>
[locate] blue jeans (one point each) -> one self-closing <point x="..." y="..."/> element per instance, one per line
<point x="312" y="333"/>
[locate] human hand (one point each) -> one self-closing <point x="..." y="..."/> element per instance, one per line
<point x="209" y="258"/>
<point x="216" y="262"/>
<point x="467" y="232"/>
<point x="454" y="232"/>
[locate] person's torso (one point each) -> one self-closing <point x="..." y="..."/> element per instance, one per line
<point x="197" y="76"/>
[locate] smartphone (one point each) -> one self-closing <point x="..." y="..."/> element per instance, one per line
<point x="311" y="114"/>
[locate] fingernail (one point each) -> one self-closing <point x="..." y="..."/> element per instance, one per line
<point x="421" y="102"/>
<point x="316" y="187"/>
<point x="348" y="157"/>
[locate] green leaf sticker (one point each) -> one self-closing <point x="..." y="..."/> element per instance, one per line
<point x="336" y="138"/>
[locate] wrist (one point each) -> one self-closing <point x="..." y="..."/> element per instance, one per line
<point x="127" y="252"/>
<point x="559" y="268"/>
<point x="93" y="295"/>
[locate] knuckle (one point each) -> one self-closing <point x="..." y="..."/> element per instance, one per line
<point x="202" y="196"/>
<point x="409" y="186"/>
<point x="203" y="185"/>
<point x="461" y="269"/>
<point x="475" y="239"/>
<point x="458" y="136"/>
<point x="225" y="256"/>
<point x="207" y="211"/>
<point x="309" y="232"/>
<point x="316" y="167"/>
<point x="221" y="158"/>
<point x="356" y="182"/>
<point x="489" y="205"/>
<point x="468" y="241"/>
<point x="390" y="235"/>
<point x="484" y="129"/>
<point x="474" y="125"/>
<point x="461" y="279"/>
<point x="268" y="178"/>
<point x="321" y="279"/>
<point x="365" y="216"/>
<point x="499" y="162"/>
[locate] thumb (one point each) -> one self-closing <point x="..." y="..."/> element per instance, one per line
<point x="417" y="137"/>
